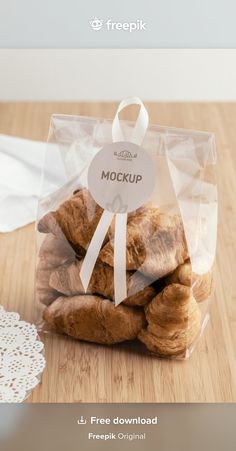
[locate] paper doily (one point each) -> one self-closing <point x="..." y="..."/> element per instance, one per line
<point x="21" y="358"/>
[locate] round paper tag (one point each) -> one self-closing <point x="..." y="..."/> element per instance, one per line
<point x="121" y="177"/>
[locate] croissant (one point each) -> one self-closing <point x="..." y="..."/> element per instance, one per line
<point x="77" y="218"/>
<point x="156" y="244"/>
<point x="53" y="253"/>
<point x="66" y="280"/>
<point x="174" y="321"/>
<point x="201" y="283"/>
<point x="94" y="319"/>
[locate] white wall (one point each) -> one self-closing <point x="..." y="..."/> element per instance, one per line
<point x="82" y="74"/>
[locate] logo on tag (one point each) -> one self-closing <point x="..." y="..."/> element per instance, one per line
<point x="125" y="155"/>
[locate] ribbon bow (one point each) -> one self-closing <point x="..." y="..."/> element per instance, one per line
<point x="120" y="287"/>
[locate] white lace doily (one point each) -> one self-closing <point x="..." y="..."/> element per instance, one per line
<point x="21" y="357"/>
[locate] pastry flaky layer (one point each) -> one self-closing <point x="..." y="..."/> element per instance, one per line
<point x="161" y="309"/>
<point x="200" y="283"/>
<point x="174" y="321"/>
<point x="155" y="244"/>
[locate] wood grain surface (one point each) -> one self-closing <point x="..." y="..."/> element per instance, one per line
<point x="80" y="372"/>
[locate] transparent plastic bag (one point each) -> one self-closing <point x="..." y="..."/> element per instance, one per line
<point x="126" y="232"/>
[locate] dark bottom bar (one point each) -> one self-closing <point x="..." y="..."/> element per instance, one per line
<point x="162" y="427"/>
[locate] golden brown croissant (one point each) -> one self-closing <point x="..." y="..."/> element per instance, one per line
<point x="77" y="218"/>
<point x="201" y="284"/>
<point x="66" y="280"/>
<point x="94" y="319"/>
<point x="174" y="321"/>
<point x="156" y="244"/>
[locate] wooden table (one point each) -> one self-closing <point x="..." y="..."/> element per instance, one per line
<point x="80" y="372"/>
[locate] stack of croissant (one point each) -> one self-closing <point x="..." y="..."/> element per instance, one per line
<point x="162" y="307"/>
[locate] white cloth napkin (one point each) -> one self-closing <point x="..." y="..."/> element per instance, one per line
<point x="21" y="163"/>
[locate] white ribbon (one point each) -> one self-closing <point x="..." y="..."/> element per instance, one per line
<point x="94" y="248"/>
<point x="95" y="245"/>
<point x="141" y="124"/>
